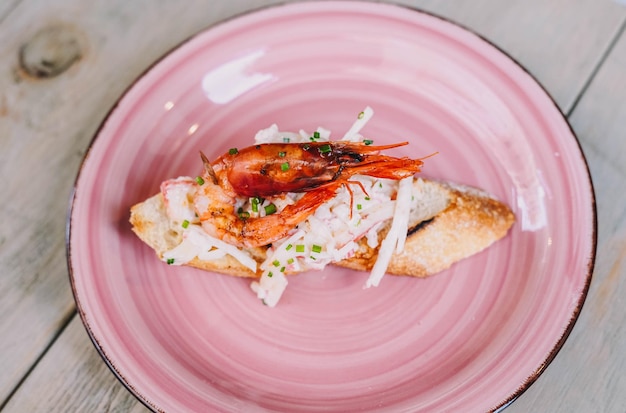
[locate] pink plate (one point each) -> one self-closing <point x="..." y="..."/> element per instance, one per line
<point x="470" y="339"/>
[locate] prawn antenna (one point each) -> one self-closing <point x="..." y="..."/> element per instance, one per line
<point x="429" y="156"/>
<point x="208" y="168"/>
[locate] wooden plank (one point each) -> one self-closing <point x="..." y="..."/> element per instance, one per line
<point x="6" y="7"/>
<point x="588" y="374"/>
<point x="559" y="42"/>
<point x="46" y="125"/>
<point x="81" y="381"/>
<point x="45" y="133"/>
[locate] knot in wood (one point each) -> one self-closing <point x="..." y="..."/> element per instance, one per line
<point x="50" y="52"/>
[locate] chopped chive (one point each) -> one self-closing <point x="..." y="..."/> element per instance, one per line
<point x="312" y="257"/>
<point x="359" y="206"/>
<point x="299" y="248"/>
<point x="367" y="198"/>
<point x="290" y="261"/>
<point x="306" y="147"/>
<point x="290" y="246"/>
<point x="324" y="148"/>
<point x="270" y="209"/>
<point x="185" y="224"/>
<point x="282" y="269"/>
<point x="368" y="141"/>
<point x="284" y="166"/>
<point x="269" y="274"/>
<point x="254" y="204"/>
<point x="282" y="154"/>
<point x="276" y="263"/>
<point x="199" y="180"/>
<point x="243" y="214"/>
<point x="316" y="135"/>
<point x="233" y="151"/>
<point x="286" y="140"/>
<point x="361" y="114"/>
<point x="316" y="248"/>
<point x="170" y="261"/>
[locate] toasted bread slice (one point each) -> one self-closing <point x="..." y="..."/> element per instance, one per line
<point x="469" y="221"/>
<point x="150" y="222"/>
<point x="452" y="223"/>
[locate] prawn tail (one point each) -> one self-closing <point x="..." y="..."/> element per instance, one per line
<point x="380" y="166"/>
<point x="365" y="159"/>
<point x="362" y="148"/>
<point x="263" y="231"/>
<point x="308" y="204"/>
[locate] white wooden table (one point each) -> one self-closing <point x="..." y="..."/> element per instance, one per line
<point x="53" y="99"/>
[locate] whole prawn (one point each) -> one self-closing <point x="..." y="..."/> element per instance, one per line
<point x="270" y="170"/>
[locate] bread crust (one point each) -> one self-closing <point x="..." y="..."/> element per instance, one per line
<point x="150" y="223"/>
<point x="471" y="222"/>
<point x="452" y="223"/>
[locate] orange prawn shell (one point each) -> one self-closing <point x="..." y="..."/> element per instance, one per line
<point x="274" y="168"/>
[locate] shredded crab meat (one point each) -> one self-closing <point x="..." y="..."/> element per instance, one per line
<point x="397" y="233"/>
<point x="329" y="235"/>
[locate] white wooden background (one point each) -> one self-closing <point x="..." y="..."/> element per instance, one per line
<point x="576" y="48"/>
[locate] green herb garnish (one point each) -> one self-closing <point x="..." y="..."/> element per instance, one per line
<point x="170" y="261"/>
<point x="284" y="166"/>
<point x="316" y="248"/>
<point x="233" y="151"/>
<point x="299" y="248"/>
<point x="243" y="214"/>
<point x="199" y="180"/>
<point x="270" y="209"/>
<point x="185" y="224"/>
<point x="254" y="203"/>
<point x="324" y="148"/>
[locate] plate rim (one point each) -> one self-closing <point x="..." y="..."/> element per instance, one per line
<point x="591" y="259"/>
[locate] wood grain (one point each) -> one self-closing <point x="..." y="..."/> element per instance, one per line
<point x="81" y="382"/>
<point x="588" y="374"/>
<point x="46" y="125"/>
<point x="546" y="37"/>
